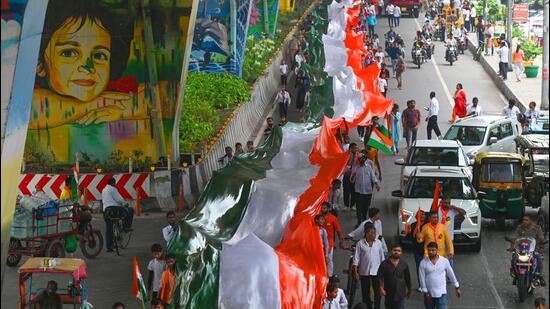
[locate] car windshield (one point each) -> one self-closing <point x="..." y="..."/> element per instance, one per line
<point x="452" y="187"/>
<point x="434" y="156"/>
<point x="501" y="172"/>
<point x="468" y="136"/>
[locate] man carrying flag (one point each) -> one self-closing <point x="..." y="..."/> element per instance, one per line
<point x="435" y="231"/>
<point x="140" y="291"/>
<point x="447" y="213"/>
<point x="378" y="139"/>
<point x="379" y="136"/>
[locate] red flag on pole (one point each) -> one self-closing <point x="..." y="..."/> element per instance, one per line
<point x="435" y="202"/>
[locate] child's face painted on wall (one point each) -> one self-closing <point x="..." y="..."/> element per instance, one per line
<point x="77" y="61"/>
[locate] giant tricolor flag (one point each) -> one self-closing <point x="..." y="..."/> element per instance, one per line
<point x="252" y="230"/>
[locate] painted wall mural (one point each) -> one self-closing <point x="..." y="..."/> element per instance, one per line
<point x="107" y="78"/>
<point x="257" y="24"/>
<point x="217" y="46"/>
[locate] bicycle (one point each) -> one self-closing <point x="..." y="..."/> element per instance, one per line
<point x="121" y="235"/>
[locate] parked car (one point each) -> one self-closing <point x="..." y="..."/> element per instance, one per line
<point x="433" y="153"/>
<point x="484" y="134"/>
<point x="539" y="125"/>
<point x="455" y="184"/>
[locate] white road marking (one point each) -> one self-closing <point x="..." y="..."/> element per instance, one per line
<point x="439" y="76"/>
<point x="491" y="283"/>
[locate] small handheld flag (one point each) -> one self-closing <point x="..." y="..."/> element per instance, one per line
<point x="139" y="286"/>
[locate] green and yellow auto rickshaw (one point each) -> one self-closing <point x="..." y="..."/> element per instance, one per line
<point x="500" y="181"/>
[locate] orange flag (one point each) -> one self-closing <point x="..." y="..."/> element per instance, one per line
<point x="404" y="218"/>
<point x="435" y="202"/>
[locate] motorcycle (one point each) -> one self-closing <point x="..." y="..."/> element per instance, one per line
<point x="437" y="32"/>
<point x="429" y="46"/>
<point x="524" y="265"/>
<point x="451" y="54"/>
<point x="463" y="44"/>
<point x="418" y="56"/>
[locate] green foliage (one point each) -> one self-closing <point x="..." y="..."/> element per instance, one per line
<point x="258" y="53"/>
<point x="221" y="90"/>
<point x="495" y="10"/>
<point x="530" y="50"/>
<point x="517" y="32"/>
<point x="206" y="94"/>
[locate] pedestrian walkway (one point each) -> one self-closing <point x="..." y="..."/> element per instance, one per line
<point x="529" y="89"/>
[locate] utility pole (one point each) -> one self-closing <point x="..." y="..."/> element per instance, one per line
<point x="484" y="12"/>
<point x="510" y="10"/>
<point x="544" y="97"/>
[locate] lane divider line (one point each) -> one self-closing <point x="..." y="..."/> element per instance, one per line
<point x="439" y="76"/>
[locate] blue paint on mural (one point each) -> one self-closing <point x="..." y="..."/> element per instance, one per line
<point x="212" y="46"/>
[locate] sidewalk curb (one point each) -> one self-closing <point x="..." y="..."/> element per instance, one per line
<point x="501" y="85"/>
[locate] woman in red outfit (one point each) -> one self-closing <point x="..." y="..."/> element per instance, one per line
<point x="459" y="109"/>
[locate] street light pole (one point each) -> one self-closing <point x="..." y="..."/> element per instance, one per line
<point x="544" y="97"/>
<point x="484" y="12"/>
<point x="509" y="32"/>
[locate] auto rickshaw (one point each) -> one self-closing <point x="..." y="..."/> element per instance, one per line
<point x="535" y="147"/>
<point x="499" y="178"/>
<point x="75" y="294"/>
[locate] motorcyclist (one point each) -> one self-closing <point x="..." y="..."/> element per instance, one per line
<point x="427" y="28"/>
<point x="529" y="229"/>
<point x="450" y="41"/>
<point x="455" y="30"/>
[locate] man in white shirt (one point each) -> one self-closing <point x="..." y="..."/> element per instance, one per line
<point x="283" y="100"/>
<point x="380" y="7"/>
<point x="396" y="15"/>
<point x="380" y="53"/>
<point x="169" y="230"/>
<point x="474" y="109"/>
<point x="283" y="68"/>
<point x="432" y="274"/>
<point x="473" y="15"/>
<point x="374" y="218"/>
<point x="389" y="13"/>
<point x="113" y="202"/>
<point x="531" y="113"/>
<point x="433" y="111"/>
<point x="383" y="85"/>
<point x="511" y="111"/>
<point x="366" y="260"/>
<point x="503" y="53"/>
<point x="365" y="182"/>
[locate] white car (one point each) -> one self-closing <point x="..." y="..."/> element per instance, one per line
<point x="484" y="134"/>
<point x="433" y="153"/>
<point x="454" y="184"/>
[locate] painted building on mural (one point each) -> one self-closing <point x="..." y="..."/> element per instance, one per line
<point x="220" y="35"/>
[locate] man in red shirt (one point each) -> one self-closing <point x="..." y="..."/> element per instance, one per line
<point x="332" y="226"/>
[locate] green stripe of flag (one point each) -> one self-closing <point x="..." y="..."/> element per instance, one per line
<point x="376" y="143"/>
